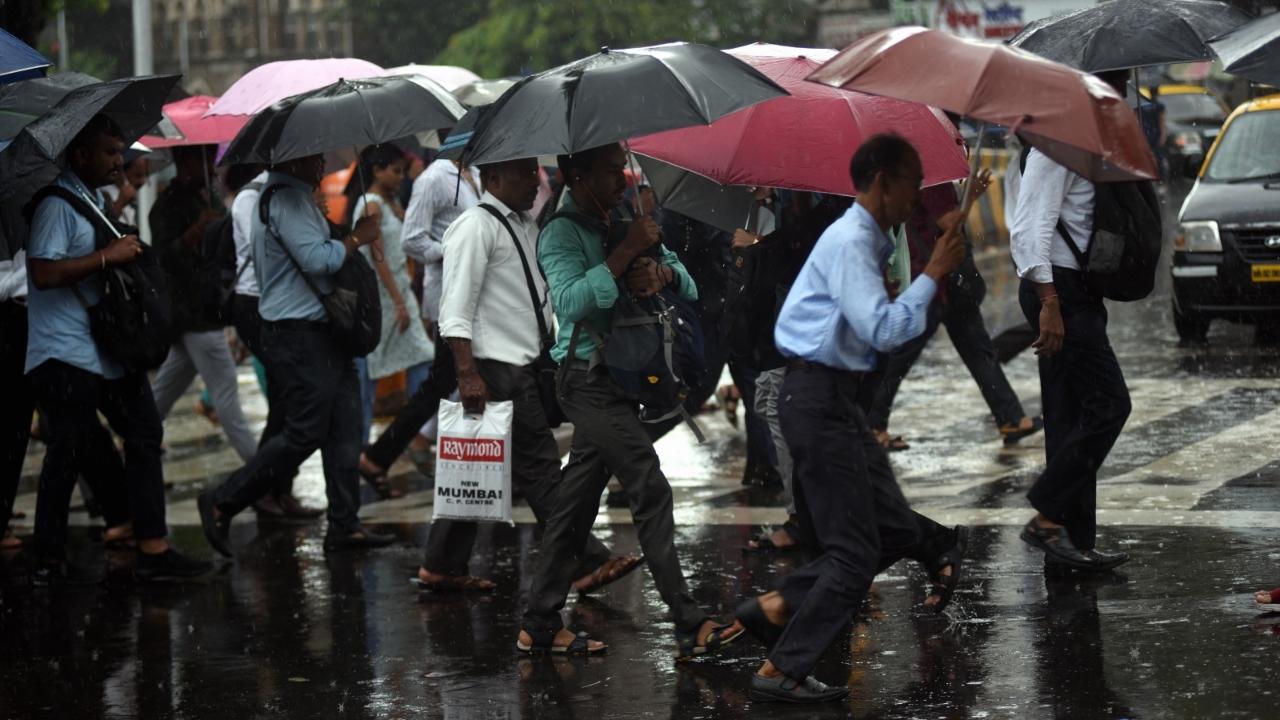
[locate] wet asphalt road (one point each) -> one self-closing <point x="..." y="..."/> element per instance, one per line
<point x="287" y="631"/>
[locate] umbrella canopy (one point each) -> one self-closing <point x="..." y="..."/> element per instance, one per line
<point x="18" y="60"/>
<point x="188" y="116"/>
<point x="1252" y="50"/>
<point x="22" y="102"/>
<point x="483" y="92"/>
<point x="1124" y="34"/>
<point x="31" y="161"/>
<point x="450" y="77"/>
<point x="803" y="141"/>
<point x="1072" y="117"/>
<point x="725" y="207"/>
<point x="614" y="95"/>
<point x="265" y="85"/>
<point x="344" y="114"/>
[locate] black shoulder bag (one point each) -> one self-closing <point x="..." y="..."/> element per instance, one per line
<point x="544" y="366"/>
<point x="354" y="307"/>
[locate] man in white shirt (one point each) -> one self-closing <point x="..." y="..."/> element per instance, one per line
<point x="489" y="320"/>
<point x="1086" y="401"/>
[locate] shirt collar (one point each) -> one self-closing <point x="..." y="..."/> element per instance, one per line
<point x="859" y="215"/>
<point x="73" y="183"/>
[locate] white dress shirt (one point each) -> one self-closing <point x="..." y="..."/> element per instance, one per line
<point x="243" y="208"/>
<point x="13" y="278"/>
<point x="430" y="213"/>
<point x="485" y="296"/>
<point x="1048" y="192"/>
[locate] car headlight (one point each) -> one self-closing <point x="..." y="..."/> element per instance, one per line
<point x="1187" y="142"/>
<point x="1198" y="236"/>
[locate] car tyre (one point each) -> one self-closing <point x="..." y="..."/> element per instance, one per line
<point x="1192" y="328"/>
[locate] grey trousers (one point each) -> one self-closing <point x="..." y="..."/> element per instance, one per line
<point x="535" y="469"/>
<point x="768" y="389"/>
<point x="206" y="354"/>
<point x="608" y="438"/>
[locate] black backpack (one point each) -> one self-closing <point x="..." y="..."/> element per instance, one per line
<point x="354" y="307"/>
<point x="132" y="323"/>
<point x="1125" y="243"/>
<point x="653" y="348"/>
<point x="217" y="273"/>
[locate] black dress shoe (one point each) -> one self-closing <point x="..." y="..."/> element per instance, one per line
<point x="360" y="539"/>
<point x="752" y="617"/>
<point x="216" y="530"/>
<point x="169" y="565"/>
<point x="1057" y="545"/>
<point x="1099" y="561"/>
<point x="785" y="689"/>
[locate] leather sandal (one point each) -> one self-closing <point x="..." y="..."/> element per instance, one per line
<point x="454" y="583"/>
<point x="544" y="642"/>
<point x="944" y="586"/>
<point x="1013" y="434"/>
<point x="687" y="646"/>
<point x="1056" y="544"/>
<point x="612" y="570"/>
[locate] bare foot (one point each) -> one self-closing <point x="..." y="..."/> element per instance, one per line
<point x="563" y="639"/>
<point x="774" y="608"/>
<point x="9" y="542"/>
<point x="1267" y="597"/>
<point x="368" y="467"/>
<point x="454" y="582"/>
<point x="768" y="670"/>
<point x="206" y="412"/>
<point x="1044" y="522"/>
<point x="934" y="598"/>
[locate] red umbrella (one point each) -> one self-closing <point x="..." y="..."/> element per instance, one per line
<point x="188" y="116"/>
<point x="1070" y="116"/>
<point x="803" y="141"/>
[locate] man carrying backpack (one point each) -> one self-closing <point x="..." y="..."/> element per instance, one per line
<point x="178" y="223"/>
<point x="583" y="270"/>
<point x="1085" y="399"/>
<point x="495" y="316"/>
<point x="312" y="365"/>
<point x="74" y="380"/>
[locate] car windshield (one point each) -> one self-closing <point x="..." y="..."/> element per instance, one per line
<point x="1192" y="106"/>
<point x="1249" y="148"/>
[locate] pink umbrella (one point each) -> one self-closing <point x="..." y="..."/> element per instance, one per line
<point x="189" y="117"/>
<point x="265" y="85"/>
<point x="804" y="141"/>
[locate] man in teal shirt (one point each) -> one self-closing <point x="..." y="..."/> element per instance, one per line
<point x="608" y="438"/>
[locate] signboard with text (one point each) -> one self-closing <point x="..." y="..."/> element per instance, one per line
<point x="984" y="19"/>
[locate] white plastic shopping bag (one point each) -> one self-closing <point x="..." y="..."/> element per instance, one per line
<point x="473" y="463"/>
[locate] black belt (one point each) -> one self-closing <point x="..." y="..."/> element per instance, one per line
<point x="296" y="325"/>
<point x="801" y="365"/>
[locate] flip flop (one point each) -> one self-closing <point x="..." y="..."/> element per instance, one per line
<point x="687" y="646"/>
<point x="1015" y="435"/>
<point x="764" y="544"/>
<point x="944" y="586"/>
<point x="458" y="584"/>
<point x="581" y="645"/>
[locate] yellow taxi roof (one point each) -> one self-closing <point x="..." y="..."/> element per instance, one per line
<point x="1183" y="90"/>
<point x="1266" y="103"/>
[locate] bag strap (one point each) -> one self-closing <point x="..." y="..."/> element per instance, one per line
<point x="1071" y="244"/>
<point x="264" y="206"/>
<point x="538" y="306"/>
<point x="81" y="206"/>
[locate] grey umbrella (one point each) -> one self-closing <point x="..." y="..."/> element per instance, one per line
<point x="1252" y="51"/>
<point x="344" y="114"/>
<point x="615" y="95"/>
<point x="31" y="160"/>
<point x="724" y="207"/>
<point x="1124" y="34"/>
<point x="23" y="102"/>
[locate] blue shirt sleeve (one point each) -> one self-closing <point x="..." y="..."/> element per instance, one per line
<point x="52" y="227"/>
<point x="297" y="221"/>
<point x="865" y="304"/>
<point x="684" y="282"/>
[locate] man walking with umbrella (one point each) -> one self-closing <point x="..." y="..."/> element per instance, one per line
<point x="317" y="377"/>
<point x="1086" y="401"/>
<point x="837" y="316"/>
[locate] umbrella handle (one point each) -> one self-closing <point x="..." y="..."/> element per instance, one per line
<point x="635" y="180"/>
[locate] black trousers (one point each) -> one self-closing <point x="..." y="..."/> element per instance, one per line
<point x="1086" y="404"/>
<point x="15" y="415"/>
<point x="608" y="439"/>
<point x="248" y="324"/>
<point x="71" y="399"/>
<point x="420" y="408"/>
<point x="850" y="507"/>
<point x="535" y="470"/>
<point x="968" y="332"/>
<point x="316" y="381"/>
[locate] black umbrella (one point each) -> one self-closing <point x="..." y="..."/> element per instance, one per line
<point x="31" y="161"/>
<point x="614" y="95"/>
<point x="724" y="207"/>
<point x="1252" y="50"/>
<point x="1124" y="34"/>
<point x="23" y="102"/>
<point x="344" y="114"/>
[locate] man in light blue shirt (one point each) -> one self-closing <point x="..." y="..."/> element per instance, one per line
<point x="837" y="316"/>
<point x="316" y="375"/>
<point x="69" y="248"/>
